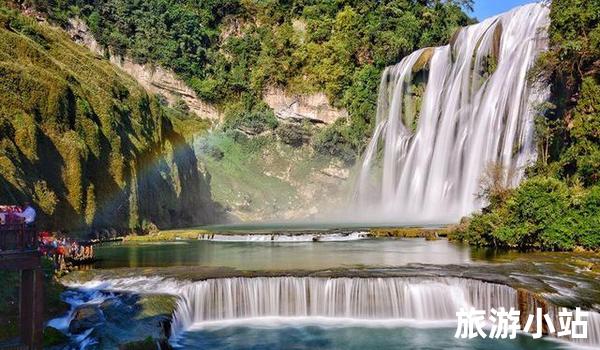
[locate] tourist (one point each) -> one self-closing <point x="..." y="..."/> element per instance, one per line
<point x="28" y="214"/>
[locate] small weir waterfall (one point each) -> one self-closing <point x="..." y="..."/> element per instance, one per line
<point x="447" y="113"/>
<point x="375" y="301"/>
<point x="304" y="237"/>
<point x="419" y="299"/>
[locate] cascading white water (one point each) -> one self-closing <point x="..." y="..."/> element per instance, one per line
<point x="593" y="329"/>
<point x="381" y="301"/>
<point x="309" y="237"/>
<point x="476" y="109"/>
<point x="421" y="299"/>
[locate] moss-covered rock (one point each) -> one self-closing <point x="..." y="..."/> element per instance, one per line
<point x="409" y="232"/>
<point x="423" y="60"/>
<point x="168" y="235"/>
<point x="84" y="318"/>
<point x="126" y="319"/>
<point x="54" y="337"/>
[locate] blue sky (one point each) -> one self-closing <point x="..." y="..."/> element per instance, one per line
<point x="487" y="8"/>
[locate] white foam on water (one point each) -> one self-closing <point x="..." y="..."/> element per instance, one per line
<point x="282" y="237"/>
<point x="273" y="322"/>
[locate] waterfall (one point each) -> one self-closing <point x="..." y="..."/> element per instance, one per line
<point x="593" y="329"/>
<point x="445" y="114"/>
<point x="420" y="299"/>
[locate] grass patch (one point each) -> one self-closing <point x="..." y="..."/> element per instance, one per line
<point x="168" y="235"/>
<point x="156" y="305"/>
<point x="410" y="232"/>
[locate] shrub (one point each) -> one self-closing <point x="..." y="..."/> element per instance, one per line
<point x="539" y="200"/>
<point x="588" y="225"/>
<point x="494" y="184"/>
<point x="542" y="213"/>
<point x="291" y="134"/>
<point x="477" y="230"/>
<point x="533" y="212"/>
<point x="252" y="122"/>
<point x="211" y="149"/>
<point x="333" y="141"/>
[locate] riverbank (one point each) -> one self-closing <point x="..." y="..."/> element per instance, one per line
<point x="166" y="235"/>
<point x="412" y="232"/>
<point x="429" y="233"/>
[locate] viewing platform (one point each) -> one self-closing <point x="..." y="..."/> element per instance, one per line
<point x="19" y="252"/>
<point x="18" y="247"/>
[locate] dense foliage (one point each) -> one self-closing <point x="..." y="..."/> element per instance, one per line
<point x="558" y="207"/>
<point x="85" y="142"/>
<point x="231" y="50"/>
<point x="543" y="213"/>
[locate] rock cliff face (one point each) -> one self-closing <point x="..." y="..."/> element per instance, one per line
<point x="314" y="107"/>
<point x="155" y="79"/>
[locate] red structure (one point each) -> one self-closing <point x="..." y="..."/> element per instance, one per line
<point x="18" y="252"/>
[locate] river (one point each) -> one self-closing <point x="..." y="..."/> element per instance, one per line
<point x="352" y="293"/>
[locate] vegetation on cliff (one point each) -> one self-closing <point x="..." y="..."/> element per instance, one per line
<point x="558" y="206"/>
<point x="86" y="142"/>
<point x="272" y="175"/>
<point x="230" y="51"/>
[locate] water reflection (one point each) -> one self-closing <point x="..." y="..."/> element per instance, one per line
<point x="284" y="256"/>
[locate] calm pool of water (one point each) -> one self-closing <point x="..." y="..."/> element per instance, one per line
<point x="283" y="256"/>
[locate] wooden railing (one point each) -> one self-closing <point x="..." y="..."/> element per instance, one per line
<point x="17" y="237"/>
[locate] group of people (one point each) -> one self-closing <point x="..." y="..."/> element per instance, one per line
<point x="64" y="251"/>
<point x="17" y="227"/>
<point x="12" y="214"/>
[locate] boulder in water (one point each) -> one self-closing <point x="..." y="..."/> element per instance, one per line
<point x="84" y="318"/>
<point x="130" y="321"/>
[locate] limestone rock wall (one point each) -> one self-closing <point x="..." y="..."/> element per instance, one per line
<point x="294" y="107"/>
<point x="314" y="107"/>
<point x="155" y="79"/>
